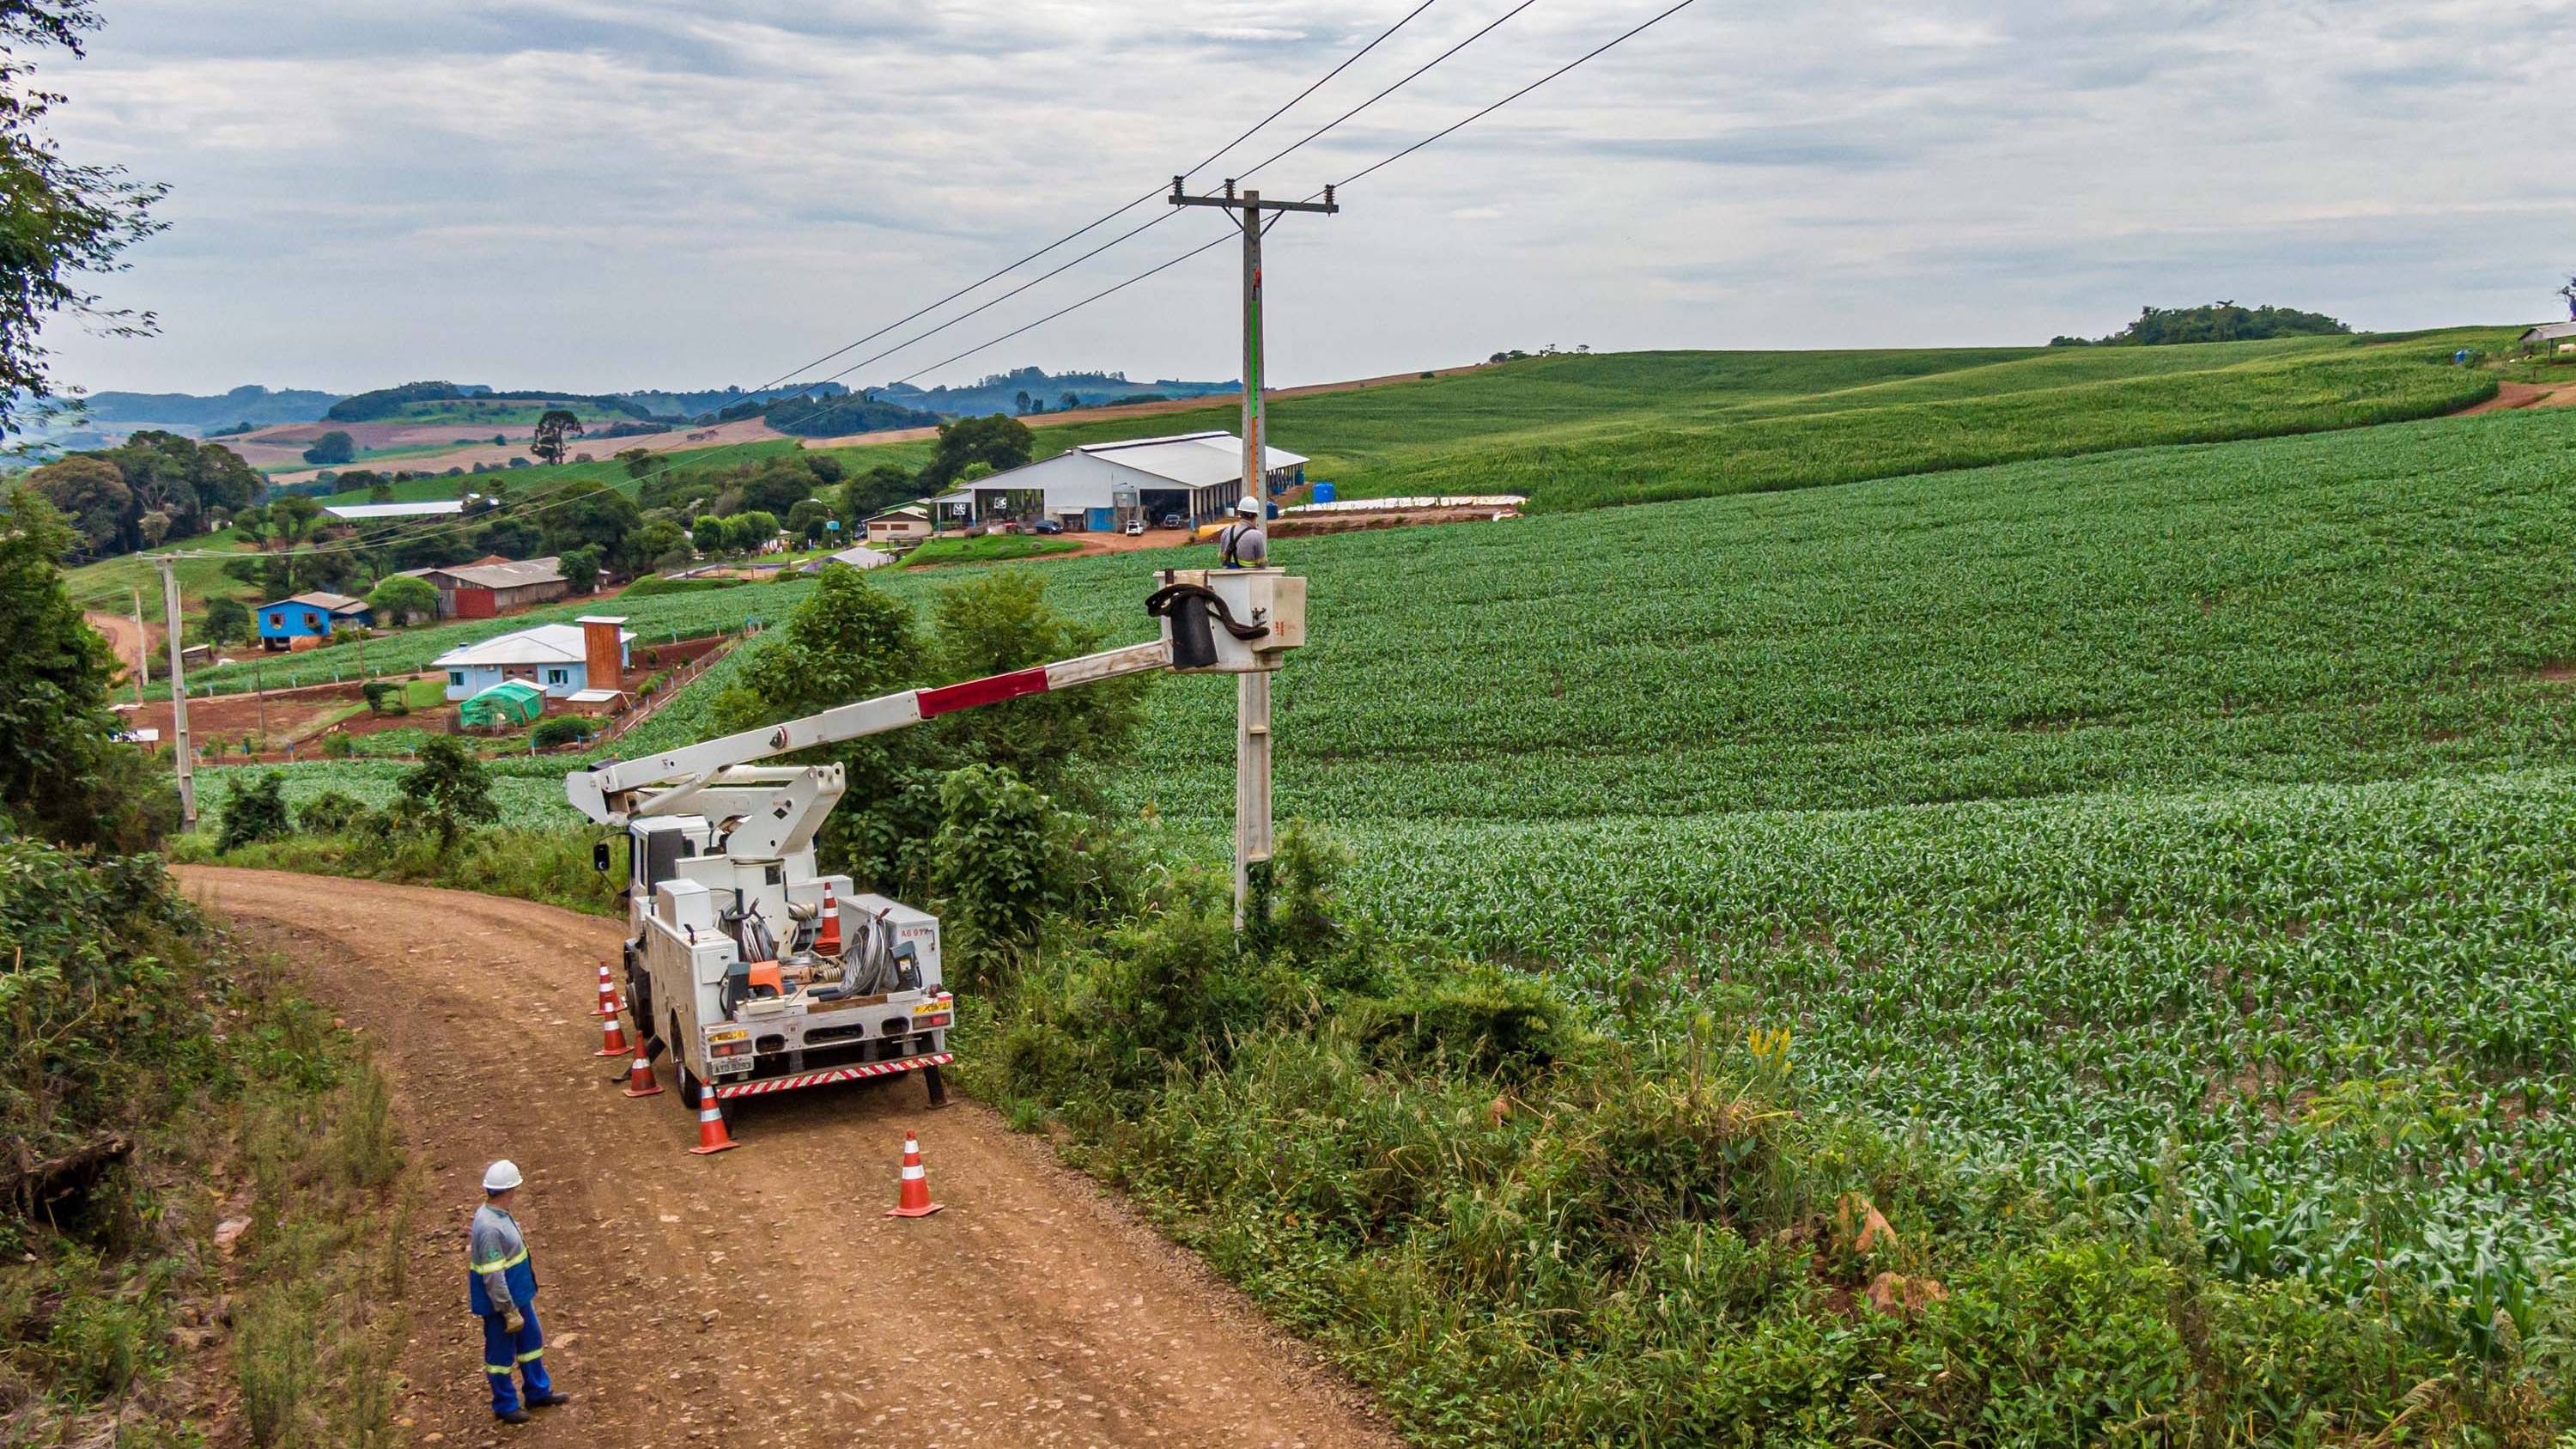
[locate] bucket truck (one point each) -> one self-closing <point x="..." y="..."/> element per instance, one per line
<point x="758" y="971"/>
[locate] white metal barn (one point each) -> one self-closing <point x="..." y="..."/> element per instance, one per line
<point x="1101" y="486"/>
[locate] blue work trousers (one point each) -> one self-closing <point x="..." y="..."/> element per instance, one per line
<point x="524" y="1350"/>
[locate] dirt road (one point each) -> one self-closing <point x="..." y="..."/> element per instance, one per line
<point x="758" y="1297"/>
<point x="122" y="635"/>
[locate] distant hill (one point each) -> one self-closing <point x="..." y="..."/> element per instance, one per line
<point x="190" y="412"/>
<point x="1001" y="392"/>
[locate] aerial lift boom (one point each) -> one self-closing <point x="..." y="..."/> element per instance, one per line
<point x="760" y="972"/>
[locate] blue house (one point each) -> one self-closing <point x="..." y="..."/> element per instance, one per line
<point x="309" y="616"/>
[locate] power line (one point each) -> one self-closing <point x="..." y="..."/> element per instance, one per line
<point x="1106" y="217"/>
<point x="1489" y="29"/>
<point x="1516" y="95"/>
<point x="1587" y="56"/>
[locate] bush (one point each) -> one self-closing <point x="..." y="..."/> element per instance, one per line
<point x="329" y="813"/>
<point x="255" y="812"/>
<point x="563" y="729"/>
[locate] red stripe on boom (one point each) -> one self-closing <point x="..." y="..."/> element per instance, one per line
<point x="992" y="689"/>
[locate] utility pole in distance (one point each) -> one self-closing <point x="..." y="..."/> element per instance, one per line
<point x="1252" y="691"/>
<point x="178" y="699"/>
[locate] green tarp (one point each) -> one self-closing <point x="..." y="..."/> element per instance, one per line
<point x="509" y="702"/>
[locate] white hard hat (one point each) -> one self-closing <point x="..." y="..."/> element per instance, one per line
<point x="501" y="1176"/>
<point x="1248" y="505"/>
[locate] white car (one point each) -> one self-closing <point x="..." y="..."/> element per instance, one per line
<point x="1135" y="528"/>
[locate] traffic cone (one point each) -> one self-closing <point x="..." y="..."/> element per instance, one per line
<point x="639" y="1078"/>
<point x="712" y="1136"/>
<point x="607" y="992"/>
<point x="827" y="941"/>
<point x="612" y="1038"/>
<point x="915" y="1199"/>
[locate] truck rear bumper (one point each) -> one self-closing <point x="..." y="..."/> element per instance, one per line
<point x="850" y="1073"/>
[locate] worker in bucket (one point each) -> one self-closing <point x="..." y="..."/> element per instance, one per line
<point x="1243" y="542"/>
<point x="501" y="1286"/>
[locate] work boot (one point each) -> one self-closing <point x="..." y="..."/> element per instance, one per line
<point x="515" y="1416"/>
<point x="549" y="1401"/>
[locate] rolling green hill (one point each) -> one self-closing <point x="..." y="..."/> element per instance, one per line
<point x="1581" y="432"/>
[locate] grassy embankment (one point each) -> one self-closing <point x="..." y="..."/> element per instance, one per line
<point x="239" y="1260"/>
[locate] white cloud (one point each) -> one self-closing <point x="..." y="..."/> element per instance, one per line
<point x="605" y="193"/>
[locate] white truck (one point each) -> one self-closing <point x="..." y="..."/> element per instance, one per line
<point x="756" y="970"/>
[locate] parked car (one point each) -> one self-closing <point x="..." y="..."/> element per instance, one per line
<point x="1135" y="528"/>
<point x="1046" y="525"/>
<point x="1174" y="520"/>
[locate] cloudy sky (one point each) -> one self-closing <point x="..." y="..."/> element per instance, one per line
<point x="604" y="194"/>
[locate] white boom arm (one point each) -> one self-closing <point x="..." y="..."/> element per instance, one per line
<point x="606" y="792"/>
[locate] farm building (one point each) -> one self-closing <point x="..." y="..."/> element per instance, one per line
<point x="857" y="558"/>
<point x="564" y="660"/>
<point x="908" y="524"/>
<point x="308" y="616"/>
<point x="359" y="512"/>
<point x="2552" y="337"/>
<point x="489" y="587"/>
<point x="1101" y="486"/>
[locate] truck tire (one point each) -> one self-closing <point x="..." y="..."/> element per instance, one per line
<point x="680" y="1066"/>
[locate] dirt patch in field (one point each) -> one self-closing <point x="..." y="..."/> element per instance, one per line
<point x="123" y="636"/>
<point x="467" y="454"/>
<point x="2514" y="396"/>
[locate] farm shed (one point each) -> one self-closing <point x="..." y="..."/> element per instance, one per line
<point x="308" y="616"/>
<point x="1101" y="486"/>
<point x="491" y="587"/>
<point x="2550" y="337"/>
<point x="431" y="508"/>
<point x="560" y="659"/>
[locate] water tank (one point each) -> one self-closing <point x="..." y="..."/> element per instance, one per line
<point x="1324" y="493"/>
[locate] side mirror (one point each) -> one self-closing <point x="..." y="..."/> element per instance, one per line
<point x="599" y="856"/>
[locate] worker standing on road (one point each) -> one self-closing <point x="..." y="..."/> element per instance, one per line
<point x="1245" y="545"/>
<point x="501" y="1285"/>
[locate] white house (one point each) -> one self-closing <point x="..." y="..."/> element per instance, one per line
<point x="1100" y="486"/>
<point x="908" y="524"/>
<point x="557" y="658"/>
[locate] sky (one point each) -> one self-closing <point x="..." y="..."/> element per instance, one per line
<point x="609" y="194"/>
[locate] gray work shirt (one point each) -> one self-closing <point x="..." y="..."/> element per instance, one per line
<point x="493" y="1246"/>
<point x="1245" y="543"/>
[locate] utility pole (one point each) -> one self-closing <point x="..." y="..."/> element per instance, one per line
<point x="178" y="698"/>
<point x="142" y="649"/>
<point x="1252" y="691"/>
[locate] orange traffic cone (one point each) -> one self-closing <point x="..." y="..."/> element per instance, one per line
<point x="915" y="1199"/>
<point x="612" y="1038"/>
<point x="712" y="1136"/>
<point x="827" y="940"/>
<point x="639" y="1078"/>
<point x="607" y="992"/>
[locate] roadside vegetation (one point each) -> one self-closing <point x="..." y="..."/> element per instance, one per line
<point x="204" y="1204"/>
<point x="991" y="548"/>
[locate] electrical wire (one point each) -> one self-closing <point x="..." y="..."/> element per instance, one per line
<point x="1106" y="217"/>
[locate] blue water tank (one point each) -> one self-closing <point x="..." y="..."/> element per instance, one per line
<point x="1324" y="493"/>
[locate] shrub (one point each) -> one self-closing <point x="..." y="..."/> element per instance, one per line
<point x="563" y="729"/>
<point x="331" y="812"/>
<point x="255" y="812"/>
